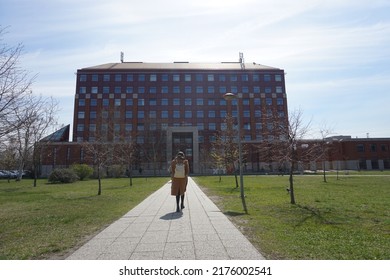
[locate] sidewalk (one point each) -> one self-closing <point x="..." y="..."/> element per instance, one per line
<point x="153" y="230"/>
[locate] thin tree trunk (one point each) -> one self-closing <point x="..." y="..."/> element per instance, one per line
<point x="130" y="175"/>
<point x="291" y="179"/>
<point x="235" y="175"/>
<point x="100" y="187"/>
<point x="35" y="177"/>
<point x="323" y="166"/>
<point x="20" y="172"/>
<point x="100" y="182"/>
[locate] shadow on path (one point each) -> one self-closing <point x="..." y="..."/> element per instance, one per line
<point x="172" y="216"/>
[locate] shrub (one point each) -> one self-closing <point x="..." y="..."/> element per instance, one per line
<point x="116" y="171"/>
<point x="82" y="170"/>
<point x="103" y="173"/>
<point x="63" y="175"/>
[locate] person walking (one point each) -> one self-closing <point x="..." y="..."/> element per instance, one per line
<point x="179" y="174"/>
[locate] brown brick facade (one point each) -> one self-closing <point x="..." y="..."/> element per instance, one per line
<point x="166" y="107"/>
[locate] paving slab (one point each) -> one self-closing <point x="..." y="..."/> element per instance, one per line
<point x="154" y="230"/>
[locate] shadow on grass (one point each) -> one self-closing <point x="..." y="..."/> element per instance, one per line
<point x="10" y="190"/>
<point x="233" y="214"/>
<point x="314" y="213"/>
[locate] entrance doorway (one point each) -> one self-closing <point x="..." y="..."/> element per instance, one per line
<point x="185" y="139"/>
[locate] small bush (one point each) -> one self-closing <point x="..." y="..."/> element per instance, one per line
<point x="103" y="173"/>
<point x="63" y="175"/>
<point x="82" y="171"/>
<point x="116" y="171"/>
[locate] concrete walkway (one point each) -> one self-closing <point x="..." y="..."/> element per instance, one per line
<point x="153" y="230"/>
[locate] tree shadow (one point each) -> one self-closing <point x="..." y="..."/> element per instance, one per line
<point x="172" y="216"/>
<point x="233" y="214"/>
<point x="313" y="213"/>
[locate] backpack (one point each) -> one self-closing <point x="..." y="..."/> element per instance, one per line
<point x="179" y="170"/>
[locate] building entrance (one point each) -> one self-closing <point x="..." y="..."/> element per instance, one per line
<point x="184" y="139"/>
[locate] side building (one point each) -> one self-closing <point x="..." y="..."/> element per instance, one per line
<point x="347" y="153"/>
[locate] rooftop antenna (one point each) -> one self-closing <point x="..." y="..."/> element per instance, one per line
<point x="122" y="55"/>
<point x="242" y="63"/>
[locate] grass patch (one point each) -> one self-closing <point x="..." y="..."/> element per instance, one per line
<point x="49" y="220"/>
<point x="341" y="219"/>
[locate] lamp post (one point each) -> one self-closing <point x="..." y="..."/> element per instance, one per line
<point x="231" y="96"/>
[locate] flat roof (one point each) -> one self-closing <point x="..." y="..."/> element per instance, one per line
<point x="179" y="66"/>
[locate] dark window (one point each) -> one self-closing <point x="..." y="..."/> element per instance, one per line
<point x="118" y="78"/>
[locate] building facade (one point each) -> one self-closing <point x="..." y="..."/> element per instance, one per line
<point x="347" y="153"/>
<point x="166" y="107"/>
<point x="163" y="108"/>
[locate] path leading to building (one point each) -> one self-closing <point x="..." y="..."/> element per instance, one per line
<point x="153" y="230"/>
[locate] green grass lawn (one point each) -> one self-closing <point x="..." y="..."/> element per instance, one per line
<point x="341" y="219"/>
<point x="49" y="220"/>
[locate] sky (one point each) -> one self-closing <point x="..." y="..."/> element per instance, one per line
<point x="335" y="53"/>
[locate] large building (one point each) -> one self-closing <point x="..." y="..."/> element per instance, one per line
<point x="166" y="107"/>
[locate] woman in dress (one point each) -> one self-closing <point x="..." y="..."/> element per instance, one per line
<point x="179" y="175"/>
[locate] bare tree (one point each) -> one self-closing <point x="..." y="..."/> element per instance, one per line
<point x="205" y="158"/>
<point x="126" y="151"/>
<point x="324" y="147"/>
<point x="224" y="151"/>
<point x="99" y="149"/>
<point x="152" y="142"/>
<point x="8" y="155"/>
<point x="283" y="145"/>
<point x="36" y="118"/>
<point x="297" y="130"/>
<point x="15" y="84"/>
<point x="99" y="153"/>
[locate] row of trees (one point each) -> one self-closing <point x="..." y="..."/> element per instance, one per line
<point x="281" y="146"/>
<point x="102" y="153"/>
<point x="24" y="117"/>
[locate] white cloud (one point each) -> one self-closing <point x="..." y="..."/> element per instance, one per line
<point x="332" y="50"/>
